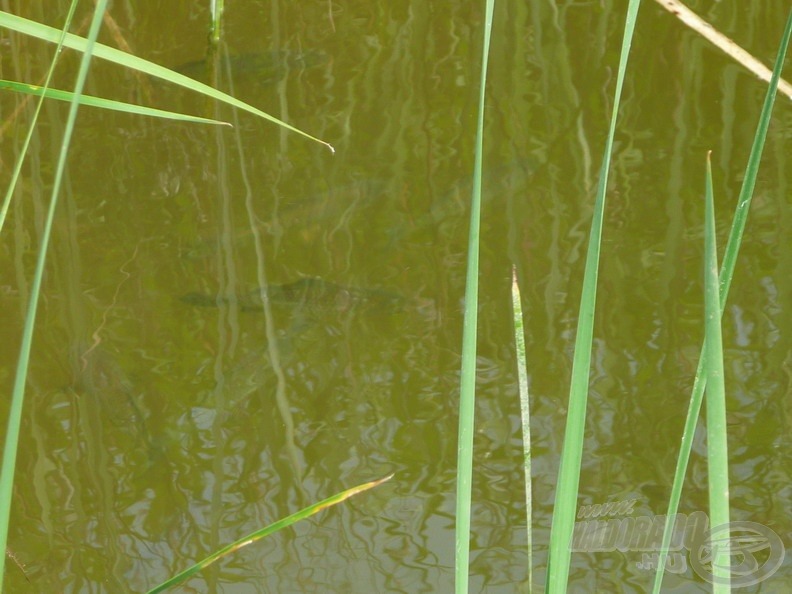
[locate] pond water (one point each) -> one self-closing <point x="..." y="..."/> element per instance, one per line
<point x="166" y="416"/>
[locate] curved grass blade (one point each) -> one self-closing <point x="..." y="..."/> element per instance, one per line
<point x="726" y="274"/>
<point x="104" y="103"/>
<point x="717" y="448"/>
<point x="18" y="394"/>
<point x="467" y="388"/>
<point x="572" y="453"/>
<point x="20" y="161"/>
<point x="259" y="534"/>
<point x="110" y="54"/>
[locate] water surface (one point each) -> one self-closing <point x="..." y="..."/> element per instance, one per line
<point x="157" y="431"/>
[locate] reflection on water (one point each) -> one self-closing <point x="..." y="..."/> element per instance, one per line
<point x="101" y="377"/>
<point x="103" y="383"/>
<point x="173" y="440"/>
<point x="332" y="207"/>
<point x="378" y="203"/>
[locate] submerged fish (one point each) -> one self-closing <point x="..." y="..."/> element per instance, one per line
<point x="312" y="293"/>
<point x="263" y="67"/>
<point x="329" y="207"/>
<point x="102" y="379"/>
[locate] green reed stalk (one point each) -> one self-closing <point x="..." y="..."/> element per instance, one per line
<point x="525" y="416"/>
<point x="572" y="453"/>
<point x="467" y="388"/>
<point x="726" y="274"/>
<point x="18" y="394"/>
<point x="26" y="144"/>
<point x="717" y="447"/>
<point x="110" y="104"/>
<point x="266" y="531"/>
<point x="218" y="7"/>
<point x="75" y="42"/>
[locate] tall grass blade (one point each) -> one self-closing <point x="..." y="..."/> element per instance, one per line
<point x="18" y="394"/>
<point x="717" y="448"/>
<point x="21" y="160"/>
<point x="467" y="388"/>
<point x="569" y="471"/>
<point x="726" y="274"/>
<point x="75" y="42"/>
<point x="59" y="95"/>
<point x="266" y="531"/>
<point x="525" y="416"/>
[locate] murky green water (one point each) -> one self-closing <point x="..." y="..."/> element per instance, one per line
<point x="156" y="431"/>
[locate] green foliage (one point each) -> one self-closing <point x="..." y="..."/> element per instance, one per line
<point x="18" y="394"/>
<point x="725" y="278"/>
<point x="717" y="448"/>
<point x="75" y="42"/>
<point x="104" y="103"/>
<point x="709" y="373"/>
<point x="266" y="531"/>
<point x="572" y="453"/>
<point x="467" y="396"/>
<point x="89" y="47"/>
